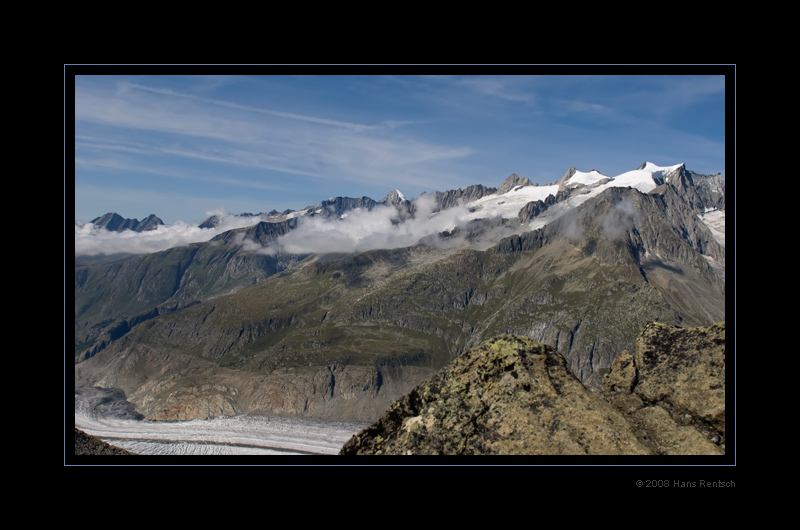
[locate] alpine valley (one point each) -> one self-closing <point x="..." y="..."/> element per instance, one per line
<point x="337" y="310"/>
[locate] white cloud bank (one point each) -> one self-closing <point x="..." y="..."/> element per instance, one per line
<point x="356" y="231"/>
<point x="92" y="241"/>
<point x="362" y="230"/>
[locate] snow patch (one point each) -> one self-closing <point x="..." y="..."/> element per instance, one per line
<point x="580" y="178"/>
<point x="640" y="179"/>
<point x="715" y="221"/>
<point x="510" y="203"/>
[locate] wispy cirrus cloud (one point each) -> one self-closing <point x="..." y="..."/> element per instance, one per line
<point x="254" y="109"/>
<point x="499" y="87"/>
<point x="291" y="143"/>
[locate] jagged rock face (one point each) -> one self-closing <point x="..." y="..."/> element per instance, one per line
<point x="393" y="197"/>
<point x="450" y="198"/>
<point x="508" y="396"/>
<point x="513" y="181"/>
<point x="674" y="374"/>
<point x="701" y="192"/>
<point x="535" y="208"/>
<point x="338" y="205"/>
<point x="511" y="395"/>
<point x="562" y="182"/>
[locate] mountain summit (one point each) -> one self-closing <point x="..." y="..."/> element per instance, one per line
<point x="394" y="197"/>
<point x="513" y="181"/>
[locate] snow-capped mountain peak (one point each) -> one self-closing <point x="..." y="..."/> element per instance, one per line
<point x="569" y="192"/>
<point x="508" y="203"/>
<point x="645" y="179"/>
<point x="580" y="178"/>
<point x="653" y="168"/>
<point x="394" y="197"/>
<point x="661" y="174"/>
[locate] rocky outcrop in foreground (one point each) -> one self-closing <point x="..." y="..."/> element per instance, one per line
<point x="511" y="395"/>
<point x="86" y="444"/>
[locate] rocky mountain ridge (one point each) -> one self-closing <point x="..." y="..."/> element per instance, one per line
<point x="116" y="223"/>
<point x="513" y="181"/>
<point x="511" y="395"/>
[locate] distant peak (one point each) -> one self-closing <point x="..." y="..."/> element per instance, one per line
<point x="651" y="167"/>
<point x="116" y="223"/>
<point x="394" y="197"/>
<point x="513" y="181"/>
<point x="575" y="178"/>
<point x="562" y="182"/>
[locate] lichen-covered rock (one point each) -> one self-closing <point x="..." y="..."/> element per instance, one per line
<point x="622" y="376"/>
<point x="677" y="395"/>
<point x="684" y="368"/>
<point x="511" y="395"/>
<point x="508" y="396"/>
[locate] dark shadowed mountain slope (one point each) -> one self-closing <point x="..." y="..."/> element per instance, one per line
<point x="451" y="198"/>
<point x="111" y="297"/>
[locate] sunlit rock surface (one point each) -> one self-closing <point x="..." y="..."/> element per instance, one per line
<point x="512" y="395"/>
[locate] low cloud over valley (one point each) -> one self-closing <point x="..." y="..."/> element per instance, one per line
<point x="356" y="230"/>
<point x="92" y="241"/>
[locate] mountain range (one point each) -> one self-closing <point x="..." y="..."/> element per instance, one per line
<point x="115" y="223"/>
<point x="336" y="310"/>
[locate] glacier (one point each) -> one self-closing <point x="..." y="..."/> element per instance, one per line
<point x="228" y="435"/>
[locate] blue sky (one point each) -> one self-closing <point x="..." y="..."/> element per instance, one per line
<point x="184" y="145"/>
